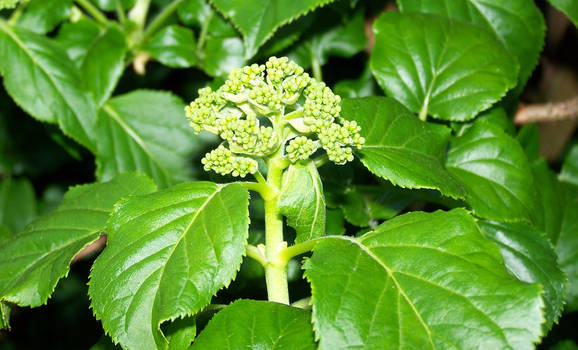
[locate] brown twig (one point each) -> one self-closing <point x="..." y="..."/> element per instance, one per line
<point x="547" y="112"/>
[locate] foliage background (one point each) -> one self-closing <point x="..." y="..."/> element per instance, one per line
<point x="51" y="162"/>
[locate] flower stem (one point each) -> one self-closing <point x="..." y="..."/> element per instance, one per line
<point x="276" y="268"/>
<point x="316" y="68"/>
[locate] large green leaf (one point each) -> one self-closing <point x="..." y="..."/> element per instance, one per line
<point x="17" y="203"/>
<point x="250" y="324"/>
<point x="566" y="243"/>
<point x="32" y="262"/>
<point x="435" y="66"/>
<point x="569" y="7"/>
<point x="302" y="201"/>
<point x="41" y="78"/>
<point x="145" y="130"/>
<point x="42" y="16"/>
<point x="168" y="253"/>
<point x="332" y="35"/>
<point x="174" y="46"/>
<point x="496" y="173"/>
<point x="530" y="257"/>
<point x="420" y="281"/>
<point x="569" y="172"/>
<point x="518" y="24"/>
<point x="258" y="20"/>
<point x="77" y="38"/>
<point x="401" y="148"/>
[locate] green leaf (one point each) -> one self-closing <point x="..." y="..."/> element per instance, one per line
<point x="334" y="222"/>
<point x="301" y="200"/>
<point x="251" y="324"/>
<point x="145" y="130"/>
<point x="401" y="148"/>
<point x="258" y="20"/>
<point x="550" y="200"/>
<point x="518" y="24"/>
<point x="420" y="281"/>
<point x="194" y="12"/>
<point x="333" y="35"/>
<point x="168" y="253"/>
<point x="569" y="172"/>
<point x="77" y="38"/>
<point x="439" y="67"/>
<point x="17" y="203"/>
<point x="364" y="205"/>
<point x="43" y="16"/>
<point x="222" y="54"/>
<point x="569" y="7"/>
<point x="529" y="139"/>
<point x="495" y="115"/>
<point x="32" y="262"/>
<point x="495" y="171"/>
<point x="566" y="243"/>
<point x="41" y="79"/>
<point x="181" y="332"/>
<point x="103" y="63"/>
<point x="531" y="258"/>
<point x="105" y="343"/>
<point x="174" y="46"/>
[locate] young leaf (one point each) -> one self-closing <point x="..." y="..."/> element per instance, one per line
<point x="569" y="172"/>
<point x="145" y="130"/>
<point x="569" y="7"/>
<point x="421" y="281"/>
<point x="401" y="148"/>
<point x="251" y="324"/>
<point x="168" y="253"/>
<point x="301" y="200"/>
<point x="174" y="46"/>
<point x="496" y="173"/>
<point x="17" y="203"/>
<point x="32" y="262"/>
<point x="531" y="258"/>
<point x="435" y="66"/>
<point x="41" y="78"/>
<point x="43" y="16"/>
<point x="518" y="24"/>
<point x="258" y="20"/>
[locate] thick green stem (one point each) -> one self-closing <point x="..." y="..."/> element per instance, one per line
<point x="423" y="113"/>
<point x="138" y="14"/>
<point x="93" y="10"/>
<point x="203" y="35"/>
<point x="120" y="12"/>
<point x="276" y="268"/>
<point x="316" y="67"/>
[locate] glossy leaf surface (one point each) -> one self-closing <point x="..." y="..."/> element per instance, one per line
<point x="168" y="253"/>
<point x="423" y="281"/>
<point x="302" y="201"/>
<point x="518" y="24"/>
<point x="174" y="46"/>
<point x="42" y="16"/>
<point x="530" y="257"/>
<point x="53" y="91"/>
<point x="401" y="148"/>
<point x="145" y="130"/>
<point x="495" y="171"/>
<point x="251" y="324"/>
<point x="32" y="262"/>
<point x="258" y="20"/>
<point x="435" y="66"/>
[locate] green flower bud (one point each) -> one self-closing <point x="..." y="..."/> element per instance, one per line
<point x="300" y="148"/>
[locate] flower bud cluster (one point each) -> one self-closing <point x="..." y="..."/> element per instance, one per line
<point x="303" y="113"/>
